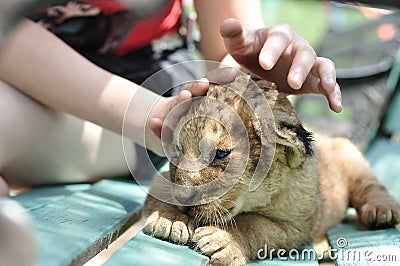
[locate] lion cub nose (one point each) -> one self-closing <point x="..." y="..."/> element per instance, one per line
<point x="186" y="195"/>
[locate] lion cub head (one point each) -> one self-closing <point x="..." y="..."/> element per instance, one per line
<point x="234" y="150"/>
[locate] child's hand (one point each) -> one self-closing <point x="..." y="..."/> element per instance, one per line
<point x="280" y="55"/>
<point x="195" y="89"/>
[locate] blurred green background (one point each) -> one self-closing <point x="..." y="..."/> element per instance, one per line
<point x="311" y="19"/>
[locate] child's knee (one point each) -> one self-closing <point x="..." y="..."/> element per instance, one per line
<point x="4" y="189"/>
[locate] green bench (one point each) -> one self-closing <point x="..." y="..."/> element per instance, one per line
<point x="72" y="223"/>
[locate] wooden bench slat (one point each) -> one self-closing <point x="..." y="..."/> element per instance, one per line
<point x="41" y="196"/>
<point x="355" y="245"/>
<point x="358" y="236"/>
<point x="147" y="250"/>
<point x="392" y="124"/>
<point x="384" y="157"/>
<point x="72" y="230"/>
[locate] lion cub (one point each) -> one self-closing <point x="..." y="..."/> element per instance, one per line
<point x="245" y="174"/>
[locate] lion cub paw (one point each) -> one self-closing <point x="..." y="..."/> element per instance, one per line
<point x="380" y="213"/>
<point x="174" y="228"/>
<point x="219" y="245"/>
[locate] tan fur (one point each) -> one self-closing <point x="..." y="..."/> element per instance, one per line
<point x="307" y="189"/>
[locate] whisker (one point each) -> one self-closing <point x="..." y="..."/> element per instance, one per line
<point x="196" y="219"/>
<point x="233" y="222"/>
<point x="231" y="201"/>
<point x="201" y="219"/>
<point x="226" y="217"/>
<point x="215" y="215"/>
<point x="219" y="217"/>
<point x="230" y="217"/>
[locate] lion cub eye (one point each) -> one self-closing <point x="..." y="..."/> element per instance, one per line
<point x="221" y="154"/>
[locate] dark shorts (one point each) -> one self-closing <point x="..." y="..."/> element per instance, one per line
<point x="138" y="66"/>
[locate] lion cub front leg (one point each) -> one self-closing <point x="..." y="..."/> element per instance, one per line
<point x="220" y="245"/>
<point x="246" y="238"/>
<point x="375" y="206"/>
<point x="166" y="221"/>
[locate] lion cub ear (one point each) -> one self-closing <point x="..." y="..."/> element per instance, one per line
<point x="288" y="130"/>
<point x="297" y="142"/>
<point x="275" y="120"/>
